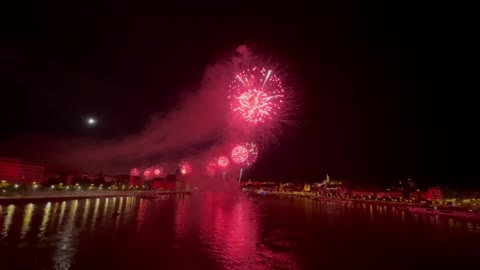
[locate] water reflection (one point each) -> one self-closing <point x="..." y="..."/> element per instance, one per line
<point x="65" y="249"/>
<point x="95" y="214"/>
<point x="229" y="232"/>
<point x="46" y="215"/>
<point x="8" y="220"/>
<point x="85" y="214"/>
<point x="54" y="215"/>
<point x="105" y="209"/>
<point x="214" y="230"/>
<point x="62" y="213"/>
<point x="371" y="213"/>
<point x="121" y="216"/>
<point x="27" y="218"/>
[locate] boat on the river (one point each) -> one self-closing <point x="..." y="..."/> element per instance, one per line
<point x="444" y="212"/>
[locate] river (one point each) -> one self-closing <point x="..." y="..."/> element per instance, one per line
<point x="228" y="230"/>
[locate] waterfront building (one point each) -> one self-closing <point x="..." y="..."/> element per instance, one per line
<point x="50" y="175"/>
<point x="389" y="194"/>
<point x="417" y="195"/>
<point x="361" y="193"/>
<point x="163" y="184"/>
<point x="135" y="181"/>
<point x="16" y="171"/>
<point x="330" y="182"/>
<point x="434" y="194"/>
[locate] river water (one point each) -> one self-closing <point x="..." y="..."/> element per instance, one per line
<point x="226" y="230"/>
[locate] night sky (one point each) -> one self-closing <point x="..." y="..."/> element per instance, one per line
<point x="369" y="76"/>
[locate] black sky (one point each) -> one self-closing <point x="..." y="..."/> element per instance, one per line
<point x="370" y="76"/>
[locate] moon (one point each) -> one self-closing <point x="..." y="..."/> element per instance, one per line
<point x="91" y="121"/>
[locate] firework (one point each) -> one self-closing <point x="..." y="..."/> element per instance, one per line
<point x="256" y="95"/>
<point x="147" y="173"/>
<point x="211" y="168"/>
<point x="185" y="169"/>
<point x="223" y="161"/>
<point x="264" y="107"/>
<point x="245" y="153"/>
<point x="134" y="172"/>
<point x="158" y="172"/>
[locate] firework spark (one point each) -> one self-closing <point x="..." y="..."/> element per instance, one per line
<point x="256" y="95"/>
<point x="211" y="168"/>
<point x="245" y="153"/>
<point x="134" y="172"/>
<point x="185" y="169"/>
<point x="158" y="172"/>
<point x="223" y="161"/>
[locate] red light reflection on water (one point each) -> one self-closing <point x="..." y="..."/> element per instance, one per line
<point x="227" y="225"/>
<point x="231" y="226"/>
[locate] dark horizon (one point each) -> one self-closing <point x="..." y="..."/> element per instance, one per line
<point x="369" y="75"/>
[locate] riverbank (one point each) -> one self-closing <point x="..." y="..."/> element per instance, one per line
<point x="413" y="207"/>
<point x="316" y="197"/>
<point x="74" y="195"/>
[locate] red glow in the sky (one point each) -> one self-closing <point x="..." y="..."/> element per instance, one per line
<point x="256" y="95"/>
<point x="134" y="172"/>
<point x="223" y="161"/>
<point x="245" y="153"/>
<point x="147" y="173"/>
<point x="211" y="168"/>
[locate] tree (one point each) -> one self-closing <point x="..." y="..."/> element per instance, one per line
<point x="82" y="181"/>
<point x="52" y="181"/>
<point x="99" y="181"/>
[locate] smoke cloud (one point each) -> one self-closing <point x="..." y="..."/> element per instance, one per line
<point x="197" y="127"/>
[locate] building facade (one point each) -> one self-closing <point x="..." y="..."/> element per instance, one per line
<point x="434" y="194"/>
<point x="16" y="171"/>
<point x="389" y="194"/>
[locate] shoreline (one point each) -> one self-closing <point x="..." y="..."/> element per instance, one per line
<point x="57" y="197"/>
<point x="415" y="208"/>
<point x="331" y="199"/>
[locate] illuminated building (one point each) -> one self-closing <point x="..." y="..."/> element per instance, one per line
<point x="434" y="194"/>
<point x="389" y="194"/>
<point x="361" y="193"/>
<point x="416" y="195"/>
<point x="135" y="181"/>
<point x="20" y="172"/>
<point x="163" y="184"/>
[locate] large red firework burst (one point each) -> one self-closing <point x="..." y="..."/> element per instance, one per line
<point x="245" y="153"/>
<point x="147" y="173"/>
<point x="256" y="95"/>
